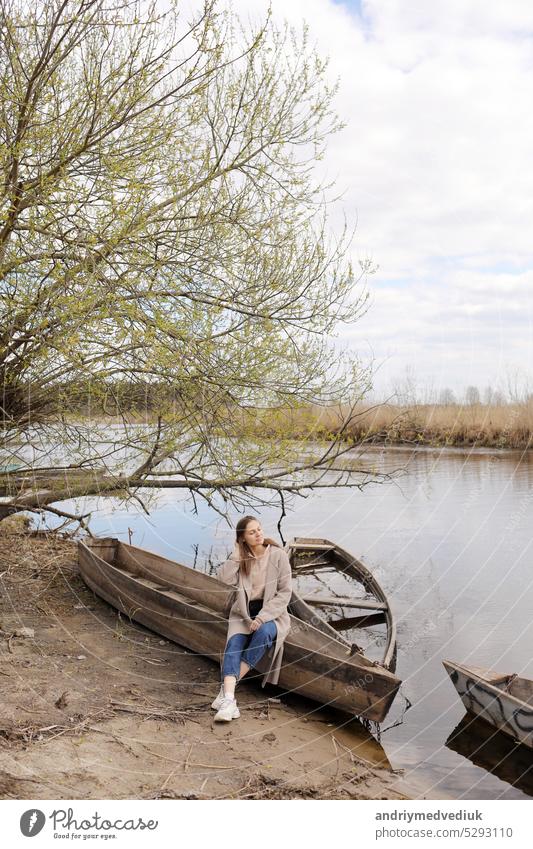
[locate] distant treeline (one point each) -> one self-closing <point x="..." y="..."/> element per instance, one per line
<point x="496" y="425"/>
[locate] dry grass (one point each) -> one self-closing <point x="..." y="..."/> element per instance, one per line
<point x="503" y="426"/>
<point x="507" y="426"/>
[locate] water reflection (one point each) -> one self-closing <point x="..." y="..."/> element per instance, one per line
<point x="494" y="751"/>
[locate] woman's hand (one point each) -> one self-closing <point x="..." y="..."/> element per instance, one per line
<point x="255" y="625"/>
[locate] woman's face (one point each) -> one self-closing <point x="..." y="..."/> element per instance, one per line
<point x="253" y="534"/>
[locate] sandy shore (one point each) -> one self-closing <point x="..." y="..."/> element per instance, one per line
<point x="96" y="707"/>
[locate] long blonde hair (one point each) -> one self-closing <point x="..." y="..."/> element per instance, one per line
<point x="245" y="552"/>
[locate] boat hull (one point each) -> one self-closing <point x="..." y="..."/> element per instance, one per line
<point x="189" y="608"/>
<point x="481" y="696"/>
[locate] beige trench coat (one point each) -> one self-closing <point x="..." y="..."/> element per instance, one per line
<point x="277" y="595"/>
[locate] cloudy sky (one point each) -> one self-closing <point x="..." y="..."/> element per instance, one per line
<point x="436" y="168"/>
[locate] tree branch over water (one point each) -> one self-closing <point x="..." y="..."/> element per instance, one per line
<point x="164" y="255"/>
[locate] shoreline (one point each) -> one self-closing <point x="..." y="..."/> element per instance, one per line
<point x="505" y="427"/>
<point x="426" y="448"/>
<point x="98" y="707"/>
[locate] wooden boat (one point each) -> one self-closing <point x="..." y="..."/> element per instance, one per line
<point x="495" y="752"/>
<point x="506" y="701"/>
<point x="190" y="608"/>
<point x="363" y="597"/>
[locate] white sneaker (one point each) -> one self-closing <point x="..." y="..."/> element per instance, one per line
<point x="228" y="711"/>
<point x="219" y="699"/>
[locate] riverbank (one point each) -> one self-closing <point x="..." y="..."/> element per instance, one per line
<point x="464" y="426"/>
<point x="97" y="707"/>
<point x="439" y="425"/>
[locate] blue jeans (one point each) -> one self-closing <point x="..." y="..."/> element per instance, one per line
<point x="247" y="647"/>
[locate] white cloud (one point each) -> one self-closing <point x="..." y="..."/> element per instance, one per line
<point x="436" y="168"/>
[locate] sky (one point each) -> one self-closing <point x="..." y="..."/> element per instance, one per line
<point x="435" y="167"/>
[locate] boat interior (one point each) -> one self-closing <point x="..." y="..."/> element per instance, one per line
<point x="344" y="592"/>
<point x="520" y="688"/>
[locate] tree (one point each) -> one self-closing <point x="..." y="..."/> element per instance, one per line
<point x="472" y="396"/>
<point x="447" y="397"/>
<point x="161" y="226"/>
<point x="406" y="388"/>
<point x="488" y="396"/>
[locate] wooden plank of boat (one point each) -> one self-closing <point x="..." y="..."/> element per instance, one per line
<point x="311" y="565"/>
<point x="341" y="601"/>
<point x="189" y="607"/>
<point x="349" y="622"/>
<point x="344" y="562"/>
<point x="298" y="573"/>
<point x="303" y="611"/>
<point x="504" y="700"/>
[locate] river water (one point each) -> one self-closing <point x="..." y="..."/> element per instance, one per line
<point x="450" y="541"/>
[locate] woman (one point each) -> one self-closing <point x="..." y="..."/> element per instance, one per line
<point x="258" y="620"/>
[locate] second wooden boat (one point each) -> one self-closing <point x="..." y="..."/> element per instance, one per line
<point x="190" y="607"/>
<point x="504" y="700"/>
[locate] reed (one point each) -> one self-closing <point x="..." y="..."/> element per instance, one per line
<point x="502" y="426"/>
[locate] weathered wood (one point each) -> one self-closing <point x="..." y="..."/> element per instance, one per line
<point x="167" y="613"/>
<point x="310" y="570"/>
<point x="367" y="621"/>
<point x="346" y="564"/>
<point x="488" y="695"/>
<point x="522" y="688"/>
<point x="105" y="547"/>
<point x="193" y="584"/>
<point x="489" y="675"/>
<point x="311" y="564"/>
<point x="316" y="664"/>
<point x="337" y="601"/>
<point x="302" y="611"/>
